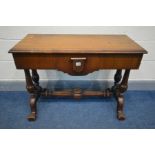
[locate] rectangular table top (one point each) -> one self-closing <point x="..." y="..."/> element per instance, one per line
<point x="59" y="43"/>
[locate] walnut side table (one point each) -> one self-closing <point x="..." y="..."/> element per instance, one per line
<point x="77" y="55"/>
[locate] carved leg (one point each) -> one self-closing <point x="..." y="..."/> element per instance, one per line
<point x="35" y="79"/>
<point x="34" y="91"/>
<point x="29" y="84"/>
<point x="118" y="92"/>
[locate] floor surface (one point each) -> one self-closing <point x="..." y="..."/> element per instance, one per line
<point x="86" y="113"/>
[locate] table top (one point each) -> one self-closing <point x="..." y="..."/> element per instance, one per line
<point x="59" y="43"/>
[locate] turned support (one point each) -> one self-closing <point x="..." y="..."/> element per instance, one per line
<point x="29" y="83"/>
<point x="35" y="77"/>
<point x="117" y="77"/>
<point x="124" y="84"/>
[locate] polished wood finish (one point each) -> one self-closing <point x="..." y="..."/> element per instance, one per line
<point x="64" y="62"/>
<point x="118" y="90"/>
<point x="58" y="44"/>
<point x="77" y="55"/>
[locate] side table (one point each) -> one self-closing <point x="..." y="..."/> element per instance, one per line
<point x="77" y="55"/>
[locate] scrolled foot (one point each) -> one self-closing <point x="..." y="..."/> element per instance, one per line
<point x="32" y="117"/>
<point x="120" y="106"/>
<point x="33" y="106"/>
<point x="120" y="115"/>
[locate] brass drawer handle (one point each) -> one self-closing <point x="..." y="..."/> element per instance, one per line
<point x="78" y="58"/>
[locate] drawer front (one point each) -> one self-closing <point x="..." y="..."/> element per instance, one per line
<point x="77" y="64"/>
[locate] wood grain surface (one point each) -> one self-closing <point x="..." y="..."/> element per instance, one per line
<point x="41" y="43"/>
<point x="64" y="63"/>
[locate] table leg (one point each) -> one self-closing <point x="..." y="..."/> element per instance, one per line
<point x="35" y="77"/>
<point x="118" y="90"/>
<point x="118" y="77"/>
<point x="32" y="85"/>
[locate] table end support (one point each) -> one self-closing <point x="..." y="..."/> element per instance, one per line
<point x="118" y="90"/>
<point x="32" y="86"/>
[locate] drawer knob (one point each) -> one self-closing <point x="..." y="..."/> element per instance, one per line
<point x="78" y="64"/>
